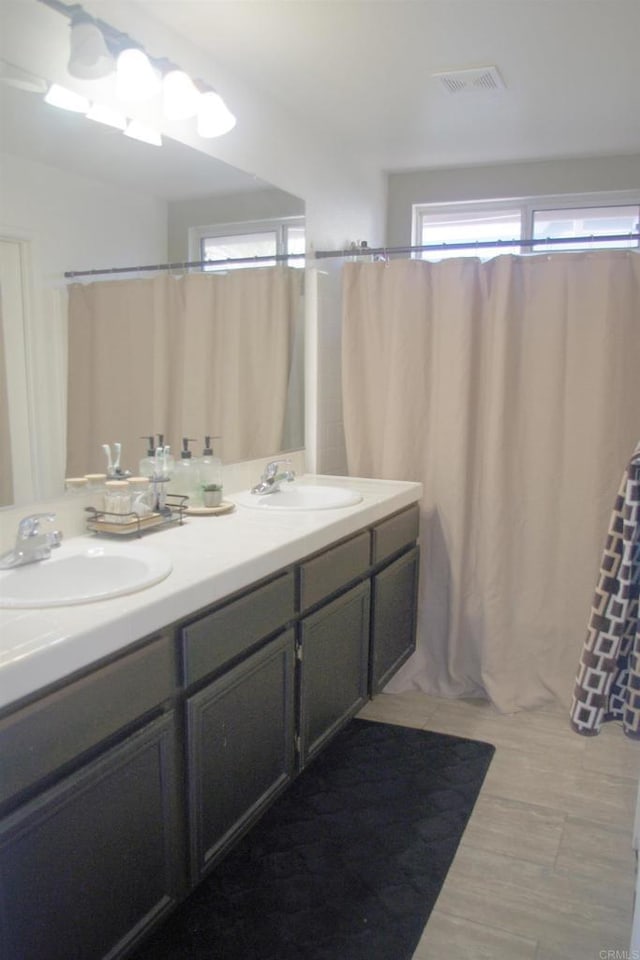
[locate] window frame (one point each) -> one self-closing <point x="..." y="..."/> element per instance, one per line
<point x="239" y="228"/>
<point x="528" y="206"/>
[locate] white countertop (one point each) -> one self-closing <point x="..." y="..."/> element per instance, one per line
<point x="212" y="557"/>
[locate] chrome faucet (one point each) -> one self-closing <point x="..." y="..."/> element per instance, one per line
<point x="31" y="542"/>
<point x="272" y="477"/>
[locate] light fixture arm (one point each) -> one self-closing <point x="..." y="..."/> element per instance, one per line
<point x="116" y="40"/>
<point x="213" y="117"/>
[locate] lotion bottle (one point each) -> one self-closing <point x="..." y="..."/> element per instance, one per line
<point x="185" y="480"/>
<point x="146" y="467"/>
<point x="210" y="475"/>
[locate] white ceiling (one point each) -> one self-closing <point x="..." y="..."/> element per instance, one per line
<point x="362" y="70"/>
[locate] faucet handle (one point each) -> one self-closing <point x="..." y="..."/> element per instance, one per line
<point x="30" y="526"/>
<point x="271" y="468"/>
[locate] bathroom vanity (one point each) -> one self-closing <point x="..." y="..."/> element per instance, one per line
<point x="186" y="709"/>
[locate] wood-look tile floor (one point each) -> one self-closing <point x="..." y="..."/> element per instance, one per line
<point x="545" y="869"/>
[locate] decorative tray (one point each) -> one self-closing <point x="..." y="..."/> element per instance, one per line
<point x="225" y="507"/>
<point x="130" y="524"/>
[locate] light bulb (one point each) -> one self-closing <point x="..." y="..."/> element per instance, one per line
<point x="107" y="115"/>
<point x="90" y="58"/>
<point x="137" y="131"/>
<point x="214" y="117"/>
<point x="135" y="77"/>
<point x="180" y="97"/>
<point x="58" y="96"/>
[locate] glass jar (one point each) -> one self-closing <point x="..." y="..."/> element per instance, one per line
<point x="76" y="485"/>
<point x="141" y="496"/>
<point x="96" y="482"/>
<point x="117" y="501"/>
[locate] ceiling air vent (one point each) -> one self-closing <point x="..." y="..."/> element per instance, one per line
<point x="478" y="79"/>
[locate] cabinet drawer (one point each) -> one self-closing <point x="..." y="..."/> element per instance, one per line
<point x="227" y="632"/>
<point x="333" y="569"/>
<point x="395" y="533"/>
<point x="38" y="739"/>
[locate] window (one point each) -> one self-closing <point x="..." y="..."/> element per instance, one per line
<point x="295" y="243"/>
<point x="222" y="247"/>
<point x="470" y="227"/>
<point x="532" y="218"/>
<point x="266" y="238"/>
<point x="586" y="222"/>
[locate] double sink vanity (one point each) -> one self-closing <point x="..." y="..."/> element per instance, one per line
<point x="142" y="735"/>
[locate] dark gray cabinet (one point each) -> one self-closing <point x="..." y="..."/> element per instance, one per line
<point x="90" y="863"/>
<point x="218" y="639"/>
<point x="121" y="789"/>
<point x="393" y="619"/>
<point x="240" y="735"/>
<point x="51" y="735"/>
<point x="333" y="653"/>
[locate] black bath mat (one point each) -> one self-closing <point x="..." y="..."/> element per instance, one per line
<point x="349" y="861"/>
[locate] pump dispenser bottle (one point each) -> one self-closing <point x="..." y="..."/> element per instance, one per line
<point x="158" y="460"/>
<point x="210" y="476"/>
<point x="185" y="479"/>
<point x="146" y="466"/>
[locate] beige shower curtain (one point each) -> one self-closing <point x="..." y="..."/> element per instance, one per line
<point x="195" y="355"/>
<point x="511" y="390"/>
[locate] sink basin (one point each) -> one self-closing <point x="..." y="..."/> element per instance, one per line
<point x="82" y="575"/>
<point x="302" y="496"/>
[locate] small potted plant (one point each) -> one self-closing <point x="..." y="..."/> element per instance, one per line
<point x="211" y="494"/>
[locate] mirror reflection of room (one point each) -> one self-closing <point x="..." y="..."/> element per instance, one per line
<point x="115" y="356"/>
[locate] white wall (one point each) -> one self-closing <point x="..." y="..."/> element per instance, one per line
<point x="250" y="205"/>
<point x="77" y="222"/>
<point x="67" y="222"/>
<point x="577" y="175"/>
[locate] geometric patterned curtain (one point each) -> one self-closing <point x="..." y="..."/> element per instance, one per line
<point x="608" y="680"/>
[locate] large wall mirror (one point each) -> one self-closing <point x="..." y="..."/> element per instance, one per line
<point x="78" y="195"/>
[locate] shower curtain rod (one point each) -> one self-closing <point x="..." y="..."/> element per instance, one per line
<point x="186" y="264"/>
<point x="472" y="245"/>
<point x="362" y="251"/>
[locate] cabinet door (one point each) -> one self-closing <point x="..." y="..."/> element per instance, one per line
<point x="240" y="731"/>
<point x="393" y="632"/>
<point x="88" y="865"/>
<point x="334" y="653"/>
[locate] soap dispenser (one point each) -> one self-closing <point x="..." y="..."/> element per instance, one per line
<point x="185" y="479"/>
<point x="146" y="467"/>
<point x="210" y="476"/>
<point x="158" y="461"/>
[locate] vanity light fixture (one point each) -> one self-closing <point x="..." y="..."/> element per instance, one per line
<point x="98" y="50"/>
<point x="136" y="78"/>
<point x="57" y="96"/>
<point x="214" y="117"/>
<point x="179" y="95"/>
<point x="107" y="115"/>
<point x="138" y="131"/>
<point x="90" y="58"/>
<point x="14" y="76"/>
